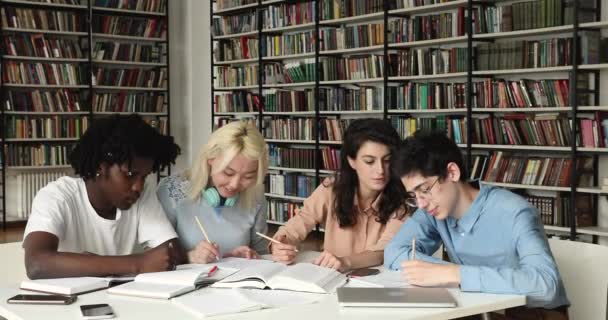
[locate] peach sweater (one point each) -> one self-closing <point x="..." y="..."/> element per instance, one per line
<point x="366" y="235"/>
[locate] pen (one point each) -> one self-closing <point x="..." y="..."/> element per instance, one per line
<point x="212" y="271"/>
<point x="270" y="239"/>
<point x="413" y="248"/>
<point x="200" y="225"/>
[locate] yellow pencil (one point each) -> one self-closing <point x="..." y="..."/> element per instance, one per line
<point x="200" y="225"/>
<point x="270" y="239"/>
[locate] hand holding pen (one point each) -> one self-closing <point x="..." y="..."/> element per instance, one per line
<point x="205" y="251"/>
<point x="281" y="251"/>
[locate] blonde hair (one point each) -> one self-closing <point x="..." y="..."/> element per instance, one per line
<point x="238" y="137"/>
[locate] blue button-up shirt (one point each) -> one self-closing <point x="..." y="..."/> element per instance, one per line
<point x="499" y="244"/>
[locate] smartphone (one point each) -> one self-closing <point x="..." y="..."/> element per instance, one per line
<point x="363" y="272"/>
<point x="97" y="311"/>
<point x="41" y="299"/>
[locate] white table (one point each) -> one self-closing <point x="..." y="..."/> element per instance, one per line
<point x="151" y="309"/>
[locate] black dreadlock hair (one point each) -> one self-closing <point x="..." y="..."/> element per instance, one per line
<point x="116" y="140"/>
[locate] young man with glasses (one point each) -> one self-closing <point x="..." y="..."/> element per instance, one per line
<point x="493" y="237"/>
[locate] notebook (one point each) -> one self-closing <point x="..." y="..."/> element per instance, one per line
<point x="213" y="302"/>
<point x="384" y="279"/>
<point x="165" y="285"/>
<point x="72" y="286"/>
<point x="396" y="297"/>
<point x="304" y="277"/>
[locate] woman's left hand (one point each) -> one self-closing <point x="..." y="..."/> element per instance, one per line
<point x="243" y="252"/>
<point x="329" y="260"/>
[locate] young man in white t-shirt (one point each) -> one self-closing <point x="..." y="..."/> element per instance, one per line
<point x="95" y="224"/>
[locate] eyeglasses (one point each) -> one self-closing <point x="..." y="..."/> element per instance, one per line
<point x="412" y="197"/>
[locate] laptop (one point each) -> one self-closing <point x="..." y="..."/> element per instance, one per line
<point x="396" y="297"/>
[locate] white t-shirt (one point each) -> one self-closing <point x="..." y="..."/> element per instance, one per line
<point x="63" y="209"/>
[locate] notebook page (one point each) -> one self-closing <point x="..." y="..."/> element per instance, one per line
<point x="280" y="298"/>
<point x="150" y="290"/>
<point x="65" y="286"/>
<point x="186" y="277"/>
<point x="384" y="279"/>
<point x="263" y="271"/>
<point x="308" y="277"/>
<point x="212" y="302"/>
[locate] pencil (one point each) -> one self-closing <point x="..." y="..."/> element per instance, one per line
<point x="413" y="248"/>
<point x="270" y="239"/>
<point x="200" y="225"/>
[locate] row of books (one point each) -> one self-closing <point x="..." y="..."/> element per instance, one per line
<point x="290" y="184"/>
<point x="429" y="95"/>
<point x="304" y="129"/>
<point x="524" y="93"/>
<point x="427" y="61"/>
<point x="39" y="45"/>
<point x="236" y="49"/>
<point x="239" y="23"/>
<point x="454" y="127"/>
<point x="351" y="99"/>
<point x="331" y="158"/>
<point x="279" y="100"/>
<point x="274" y="45"/>
<point x="348" y="37"/>
<point x="556" y="211"/>
<point x="541" y="171"/>
<point x="62" y="100"/>
<point x="130" y="78"/>
<point x="336" y="9"/>
<point x="351" y="68"/>
<point x="530" y="15"/>
<point x="45" y="127"/>
<point x="403" y="4"/>
<point x="333" y="129"/>
<point x="227" y="4"/>
<point x="129" y="102"/>
<point x="122" y="51"/>
<point x="544" y="53"/>
<point x="539" y="130"/>
<point x="37" y="155"/>
<point x="129" y="26"/>
<point x="55" y="20"/>
<point x="299" y="158"/>
<point x="290" y="72"/>
<point x="236" y="101"/>
<point x="235" y="76"/>
<point x="290" y="129"/>
<point x="159" y="6"/>
<point x="289" y="14"/>
<point x="42" y="73"/>
<point x="280" y="210"/>
<point x="427" y="27"/>
<point x="69" y="2"/>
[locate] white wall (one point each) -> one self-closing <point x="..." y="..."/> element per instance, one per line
<point x="190" y="76"/>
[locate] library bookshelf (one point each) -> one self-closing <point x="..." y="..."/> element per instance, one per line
<point x="63" y="66"/>
<point x="483" y="72"/>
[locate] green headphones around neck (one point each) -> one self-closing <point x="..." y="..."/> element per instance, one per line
<point x="214" y="199"/>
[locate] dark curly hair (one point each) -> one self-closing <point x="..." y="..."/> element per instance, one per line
<point x="427" y="153"/>
<point x="347" y="182"/>
<point x="116" y="140"/>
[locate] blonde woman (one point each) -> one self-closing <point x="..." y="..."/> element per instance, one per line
<point x="224" y="189"/>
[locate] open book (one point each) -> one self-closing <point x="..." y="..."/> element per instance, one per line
<point x="164" y="285"/>
<point x="212" y="302"/>
<point x="304" y="277"/>
<point x="72" y="286"/>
